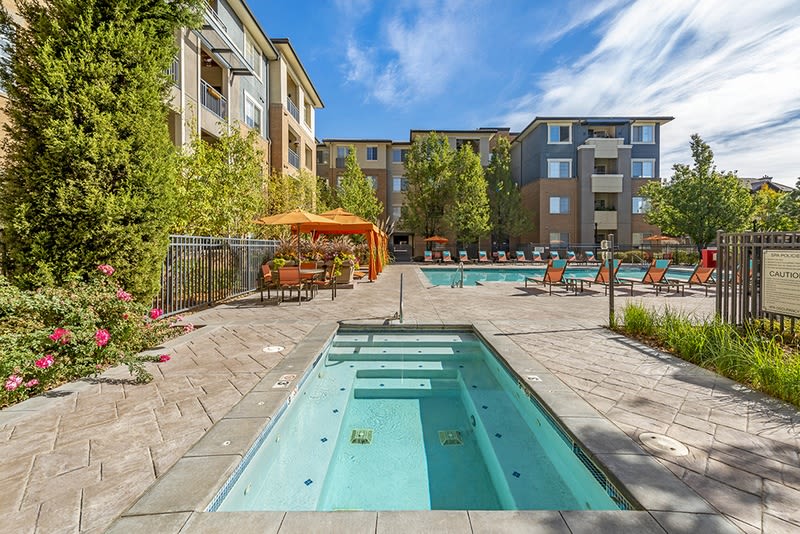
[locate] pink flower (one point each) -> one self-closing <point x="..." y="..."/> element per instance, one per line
<point x="188" y="328"/>
<point x="32" y="383"/>
<point x="125" y="316"/>
<point x="163" y="358"/>
<point x="106" y="269"/>
<point x="61" y="334"/>
<point x="124" y="295"/>
<point x="101" y="337"/>
<point x="155" y="313"/>
<point x="45" y="362"/>
<point x="13" y="382"/>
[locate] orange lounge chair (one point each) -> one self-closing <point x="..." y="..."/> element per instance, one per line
<point x="656" y="276"/>
<point x="553" y="275"/>
<point x="482" y="257"/>
<point x="537" y="256"/>
<point x="602" y="277"/>
<point x="590" y="257"/>
<point x="501" y="256"/>
<point x="701" y="276"/>
<point x="427" y="256"/>
<point x="554" y="255"/>
<point x="446" y="257"/>
<point x="463" y="257"/>
<point x="521" y="257"/>
<point x="571" y="257"/>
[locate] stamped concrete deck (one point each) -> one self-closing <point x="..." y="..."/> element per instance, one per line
<point x="74" y="460"/>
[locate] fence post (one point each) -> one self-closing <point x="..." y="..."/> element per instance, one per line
<point x="210" y="278"/>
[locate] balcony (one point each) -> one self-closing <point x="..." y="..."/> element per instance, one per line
<point x="606" y="183"/>
<point x="293" y="109"/>
<point x="605" y="220"/>
<point x="294" y="159"/>
<point x="604" y="147"/>
<point x="174" y="72"/>
<point x="213" y="101"/>
<point x="212" y="17"/>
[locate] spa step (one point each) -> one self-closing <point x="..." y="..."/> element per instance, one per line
<point x="407" y="373"/>
<point x="403" y="388"/>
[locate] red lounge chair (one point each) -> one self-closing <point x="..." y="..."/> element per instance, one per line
<point x="428" y="256"/>
<point x="554" y="255"/>
<point x="537" y="257"/>
<point x="463" y="257"/>
<point x="446" y="257"/>
<point x="521" y="257"/>
<point x="482" y="257"/>
<point x="501" y="256"/>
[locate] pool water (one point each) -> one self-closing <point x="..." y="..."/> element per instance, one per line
<point x="446" y="276"/>
<point x="420" y="420"/>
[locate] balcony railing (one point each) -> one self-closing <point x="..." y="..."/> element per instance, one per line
<point x="213" y="101"/>
<point x="293" y="109"/>
<point x="214" y="16"/>
<point x="605" y="220"/>
<point x="606" y="183"/>
<point x="294" y="159"/>
<point x="174" y="72"/>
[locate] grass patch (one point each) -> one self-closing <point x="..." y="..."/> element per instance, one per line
<point x="767" y="362"/>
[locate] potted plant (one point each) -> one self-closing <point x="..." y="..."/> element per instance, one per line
<point x="340" y="252"/>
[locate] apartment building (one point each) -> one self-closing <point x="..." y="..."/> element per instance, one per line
<point x="580" y="177"/>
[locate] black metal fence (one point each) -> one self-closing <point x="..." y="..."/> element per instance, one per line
<point x="739" y="274"/>
<point x="201" y="271"/>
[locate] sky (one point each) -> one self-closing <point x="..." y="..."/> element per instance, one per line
<point x="728" y="70"/>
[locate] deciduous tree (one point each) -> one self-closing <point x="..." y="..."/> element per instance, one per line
<point x="355" y="193"/>
<point x="429" y="170"/>
<point x="508" y="217"/>
<point x="467" y="213"/>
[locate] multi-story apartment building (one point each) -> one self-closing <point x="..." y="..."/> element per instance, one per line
<point x="580" y="176"/>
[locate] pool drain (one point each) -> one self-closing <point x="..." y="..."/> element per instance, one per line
<point x="361" y="436"/>
<point x="450" y="437"/>
<point x="663" y="444"/>
<point x="272" y="348"/>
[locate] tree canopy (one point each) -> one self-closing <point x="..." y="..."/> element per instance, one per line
<point x="773" y="211"/>
<point x="507" y="216"/>
<point x="467" y="213"/>
<point x="89" y="171"/>
<point x="355" y="192"/>
<point x="699" y="200"/>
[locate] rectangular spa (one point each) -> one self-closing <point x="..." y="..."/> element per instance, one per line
<point x="414" y="420"/>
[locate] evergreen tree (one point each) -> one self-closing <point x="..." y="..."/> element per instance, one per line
<point x="507" y="217"/>
<point x="355" y="193"/>
<point x="429" y="170"/>
<point x="223" y="188"/>
<point x="89" y="171"/>
<point x="467" y="213"/>
<point x="699" y="200"/>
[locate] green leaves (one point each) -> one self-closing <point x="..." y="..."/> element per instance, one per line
<point x="508" y="217"/>
<point x="355" y="193"/>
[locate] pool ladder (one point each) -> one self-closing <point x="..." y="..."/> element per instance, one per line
<point x="458" y="278"/>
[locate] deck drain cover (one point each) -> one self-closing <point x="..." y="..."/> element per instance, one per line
<point x="450" y="437"/>
<point x="361" y="436"/>
<point x="663" y="444"/>
<point x="272" y="348"/>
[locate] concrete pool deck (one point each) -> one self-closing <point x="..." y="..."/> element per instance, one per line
<point x="77" y="459"/>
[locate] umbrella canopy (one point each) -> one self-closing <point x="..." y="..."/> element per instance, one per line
<point x="663" y="239"/>
<point x="296" y="218"/>
<point x="436" y="239"/>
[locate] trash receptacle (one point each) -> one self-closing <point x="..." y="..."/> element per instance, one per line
<point x="708" y="257"/>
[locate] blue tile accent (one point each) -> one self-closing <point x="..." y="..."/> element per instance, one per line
<point x="461" y="366"/>
<point x="335" y="411"/>
<point x="498" y="435"/>
<point x="308" y="482"/>
<point x="515" y="474"/>
<point x="323" y="440"/>
<point x="474" y="386"/>
<point x="381" y="385"/>
<point x="485" y="407"/>
<point x="342" y="389"/>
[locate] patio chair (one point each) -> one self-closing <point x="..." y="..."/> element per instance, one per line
<point x="554" y="255"/>
<point x="463" y="257"/>
<point x="446" y="257"/>
<point x="603" y="277"/>
<point x="482" y="257"/>
<point x="590" y="257"/>
<point x="701" y="276"/>
<point x="501" y="256"/>
<point x="289" y="277"/>
<point x="553" y="275"/>
<point x="537" y="257"/>
<point x="655" y="275"/>
<point x="328" y="281"/>
<point x="427" y="256"/>
<point x="266" y="281"/>
<point x="521" y="257"/>
<point x="571" y="257"/>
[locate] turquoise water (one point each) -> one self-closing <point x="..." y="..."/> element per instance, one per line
<point x="445" y="276"/>
<point x="416" y="421"/>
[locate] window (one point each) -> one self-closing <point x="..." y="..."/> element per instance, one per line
<point x="640" y="205"/>
<point x="559" y="205"/>
<point x="341" y="155"/>
<point x="399" y="183"/>
<point x="559" y="238"/>
<point x="372" y="153"/>
<point x="397" y="212"/>
<point x="252" y="113"/>
<point x="475" y="144"/>
<point x="322" y="156"/>
<point x="374" y="181"/>
<point x="252" y="55"/>
<point x="399" y="155"/>
<point x="642" y="168"/>
<point x="643" y="133"/>
<point x="559" y="133"/>
<point x="559" y="168"/>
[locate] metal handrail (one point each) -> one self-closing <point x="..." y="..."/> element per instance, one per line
<point x="213" y="101"/>
<point x="293" y="109"/>
<point x="294" y="158"/>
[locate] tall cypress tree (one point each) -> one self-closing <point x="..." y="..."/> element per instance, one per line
<point x="89" y="171"/>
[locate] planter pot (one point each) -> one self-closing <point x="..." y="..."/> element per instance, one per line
<point x="346" y="275"/>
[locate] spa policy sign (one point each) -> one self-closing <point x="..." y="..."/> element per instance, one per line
<point x="780" y="282"/>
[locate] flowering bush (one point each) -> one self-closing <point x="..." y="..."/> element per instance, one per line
<point x="54" y="335"/>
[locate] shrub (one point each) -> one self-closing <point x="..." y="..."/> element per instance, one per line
<point x="53" y="335"/>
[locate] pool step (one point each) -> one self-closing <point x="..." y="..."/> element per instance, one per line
<point x="407" y="373"/>
<point x="427" y="353"/>
<point x="404" y="388"/>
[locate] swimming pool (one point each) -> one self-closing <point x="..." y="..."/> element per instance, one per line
<point x="446" y="276"/>
<point x="415" y="420"/>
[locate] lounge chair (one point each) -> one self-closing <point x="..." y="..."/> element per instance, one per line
<point x="656" y="276"/>
<point x="427" y="256"/>
<point x="701" y="276"/>
<point x="554" y="255"/>
<point x="590" y="257"/>
<point x="501" y="256"/>
<point x="482" y="257"/>
<point x="446" y="257"/>
<point x="571" y="257"/>
<point x="521" y="257"/>
<point x="602" y="277"/>
<point x="553" y="275"/>
<point x="463" y="257"/>
<point x="266" y="281"/>
<point x="537" y="256"/>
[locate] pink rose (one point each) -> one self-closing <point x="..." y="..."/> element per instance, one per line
<point x="163" y="358"/>
<point x="13" y="382"/>
<point x="106" y="269"/>
<point x="155" y="313"/>
<point x="45" y="362"/>
<point x="32" y="383"/>
<point x="124" y="295"/>
<point x="101" y="337"/>
<point x="61" y="334"/>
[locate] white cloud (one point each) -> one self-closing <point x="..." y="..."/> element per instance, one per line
<point x="729" y="73"/>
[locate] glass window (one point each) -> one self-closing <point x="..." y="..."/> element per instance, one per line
<point x="372" y="153"/>
<point x="559" y="205"/>
<point x="559" y="133"/>
<point x="399" y="155"/>
<point x="474" y="144"/>
<point x="253" y="55"/>
<point x="559" y="168"/>
<point x="642" y="168"/>
<point x="640" y="205"/>
<point x="643" y="133"/>
<point x="559" y="238"/>
<point x="399" y="183"/>
<point x="638" y="238"/>
<point x="252" y="113"/>
<point x="374" y="181"/>
<point x="397" y="212"/>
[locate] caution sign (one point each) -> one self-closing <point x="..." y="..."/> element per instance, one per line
<point x="780" y="282"/>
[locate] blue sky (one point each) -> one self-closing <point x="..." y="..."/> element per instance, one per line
<point x="728" y="70"/>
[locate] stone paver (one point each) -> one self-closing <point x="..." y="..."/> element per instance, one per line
<point x="76" y="459"/>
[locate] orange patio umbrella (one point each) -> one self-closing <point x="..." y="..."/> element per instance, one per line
<point x="296" y="218"/>
<point x="436" y="239"/>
